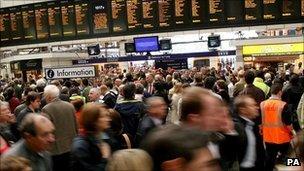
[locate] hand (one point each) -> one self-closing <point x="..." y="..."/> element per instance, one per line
<point x="105" y="150"/>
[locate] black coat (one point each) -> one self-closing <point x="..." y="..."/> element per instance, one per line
<point x="146" y="124"/>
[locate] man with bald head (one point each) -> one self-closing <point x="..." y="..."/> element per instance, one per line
<point x="38" y="135"/>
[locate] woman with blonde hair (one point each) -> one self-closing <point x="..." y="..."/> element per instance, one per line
<point x="130" y="159"/>
<point x="174" y="116"/>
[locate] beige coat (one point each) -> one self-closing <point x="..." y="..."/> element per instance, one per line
<point x="300" y="112"/>
<point x="62" y="114"/>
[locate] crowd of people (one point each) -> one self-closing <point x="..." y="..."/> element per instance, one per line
<point x="152" y="119"/>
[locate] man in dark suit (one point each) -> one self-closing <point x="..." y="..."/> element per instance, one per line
<point x="251" y="153"/>
<point x="156" y="112"/>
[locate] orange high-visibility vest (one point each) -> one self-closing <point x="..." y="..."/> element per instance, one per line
<point x="274" y="130"/>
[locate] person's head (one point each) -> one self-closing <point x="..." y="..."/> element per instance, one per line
<point x="56" y="83"/>
<point x="37" y="131"/>
<point x="9" y="93"/>
<point x="178" y="88"/>
<point x="15" y="163"/>
<point x="109" y="84"/>
<point x="130" y="159"/>
<point x="249" y="77"/>
<point x="77" y="103"/>
<point x="129" y="77"/>
<point x="139" y="89"/>
<point x="209" y="82"/>
<point x="246" y="106"/>
<point x="85" y="82"/>
<point x="94" y="118"/>
<point x="94" y="94"/>
<point x="33" y="100"/>
<point x="103" y="89"/>
<point x="50" y="93"/>
<point x="5" y="113"/>
<point x="276" y="89"/>
<point x="221" y="85"/>
<point x="294" y="80"/>
<point x="200" y="108"/>
<point x="149" y="78"/>
<point x="241" y="74"/>
<point x="198" y="78"/>
<point x="116" y="123"/>
<point x="117" y="82"/>
<point x="260" y="74"/>
<point x="267" y="76"/>
<point x="129" y="91"/>
<point x="180" y="148"/>
<point x="168" y="78"/>
<point x="156" y="107"/>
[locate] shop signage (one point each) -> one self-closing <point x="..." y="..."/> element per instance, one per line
<point x="269" y="50"/>
<point x="70" y="72"/>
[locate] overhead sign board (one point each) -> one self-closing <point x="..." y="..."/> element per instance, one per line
<point x="70" y="72"/>
<point x="278" y="49"/>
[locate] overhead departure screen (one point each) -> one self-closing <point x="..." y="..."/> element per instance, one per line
<point x="28" y="17"/>
<point x="82" y="17"/>
<point x="41" y="16"/>
<point x="68" y="19"/>
<point x="291" y="8"/>
<point x="232" y="15"/>
<point x="150" y="14"/>
<point x="198" y="12"/>
<point x="182" y="12"/>
<point x="253" y="10"/>
<point x="134" y="14"/>
<point x="100" y="17"/>
<point x="16" y="24"/>
<point x="119" y="15"/>
<point x="271" y="9"/>
<point x="216" y="11"/>
<point x="5" y="25"/>
<point x="302" y="8"/>
<point x="165" y="12"/>
<point x="54" y="15"/>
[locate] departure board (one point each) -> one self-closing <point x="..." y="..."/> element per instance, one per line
<point x="16" y="23"/>
<point x="68" y="19"/>
<point x="149" y="14"/>
<point x="216" y="11"/>
<point x="253" y="10"/>
<point x="82" y="17"/>
<point x="166" y="13"/>
<point x="290" y="9"/>
<point x="100" y="17"/>
<point x="198" y="11"/>
<point x="5" y="25"/>
<point x="134" y="14"/>
<point x="41" y="16"/>
<point x="119" y="18"/>
<point x="271" y="9"/>
<point x="182" y="12"/>
<point x="54" y="16"/>
<point x="232" y="15"/>
<point x="28" y="18"/>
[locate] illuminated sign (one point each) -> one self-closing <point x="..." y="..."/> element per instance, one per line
<point x="279" y="49"/>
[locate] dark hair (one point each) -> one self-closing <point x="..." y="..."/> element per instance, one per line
<point x="89" y="116"/>
<point x="77" y="103"/>
<point x="294" y="79"/>
<point x="159" y="86"/>
<point x="74" y="90"/>
<point x="28" y="125"/>
<point x="9" y="93"/>
<point x="276" y="88"/>
<point x="260" y="74"/>
<point x="129" y="77"/>
<point x="192" y="101"/>
<point x="139" y="89"/>
<point x="109" y="84"/>
<point x="249" y="77"/>
<point x="85" y="82"/>
<point x="14" y="163"/>
<point x="171" y="142"/>
<point x="209" y="82"/>
<point x="116" y="123"/>
<point x="129" y="91"/>
<point x="222" y="84"/>
<point x="32" y="96"/>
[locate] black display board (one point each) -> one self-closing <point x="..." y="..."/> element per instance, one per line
<point x="28" y="17"/>
<point x="134" y="15"/>
<point x="82" y="14"/>
<point x="42" y="23"/>
<point x="100" y="17"/>
<point x="177" y="64"/>
<point x="79" y="19"/>
<point x="150" y="14"/>
<point x="5" y="26"/>
<point x="166" y="13"/>
<point x="54" y="16"/>
<point x="16" y="24"/>
<point x="119" y="16"/>
<point x="68" y="18"/>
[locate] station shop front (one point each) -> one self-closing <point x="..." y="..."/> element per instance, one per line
<point x="277" y="56"/>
